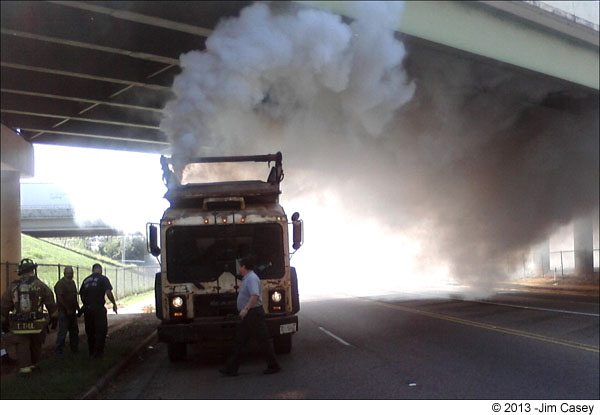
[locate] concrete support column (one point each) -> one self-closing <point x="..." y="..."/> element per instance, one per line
<point x="583" y="243"/>
<point x="16" y="162"/>
<point x="541" y="259"/>
<point x="10" y="224"/>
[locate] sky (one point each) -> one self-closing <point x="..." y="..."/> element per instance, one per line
<point x="587" y="10"/>
<point x="123" y="188"/>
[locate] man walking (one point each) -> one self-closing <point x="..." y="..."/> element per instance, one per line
<point x="93" y="290"/>
<point x="68" y="308"/>
<point x="249" y="305"/>
<point x="26" y="298"/>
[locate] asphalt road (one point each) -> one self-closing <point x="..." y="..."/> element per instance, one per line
<point x="510" y="346"/>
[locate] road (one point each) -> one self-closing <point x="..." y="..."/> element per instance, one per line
<point x="510" y="346"/>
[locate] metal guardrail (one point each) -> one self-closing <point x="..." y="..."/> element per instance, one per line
<point x="126" y="281"/>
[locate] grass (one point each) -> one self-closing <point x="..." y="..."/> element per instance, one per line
<point x="69" y="376"/>
<point x="43" y="252"/>
<point x="51" y="253"/>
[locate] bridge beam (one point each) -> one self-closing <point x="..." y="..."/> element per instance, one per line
<point x="515" y="32"/>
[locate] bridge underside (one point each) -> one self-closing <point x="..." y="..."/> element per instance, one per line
<point x="53" y="228"/>
<point x="98" y="75"/>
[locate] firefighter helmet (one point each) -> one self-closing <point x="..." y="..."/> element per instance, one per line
<point x="26" y="265"/>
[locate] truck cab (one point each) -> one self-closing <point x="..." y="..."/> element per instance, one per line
<point x="206" y="231"/>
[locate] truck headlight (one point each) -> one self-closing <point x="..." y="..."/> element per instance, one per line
<point x="177" y="306"/>
<point x="277" y="301"/>
<point x="177" y="302"/>
<point x="276" y="297"/>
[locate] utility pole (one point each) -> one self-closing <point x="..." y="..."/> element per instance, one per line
<point x="123" y="248"/>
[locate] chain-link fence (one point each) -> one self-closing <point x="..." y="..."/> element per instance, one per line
<point x="561" y="263"/>
<point x="126" y="281"/>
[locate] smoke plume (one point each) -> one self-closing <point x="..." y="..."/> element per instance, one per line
<point x="403" y="159"/>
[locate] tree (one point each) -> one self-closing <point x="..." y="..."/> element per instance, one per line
<point x="135" y="247"/>
<point x="110" y="247"/>
<point x="81" y="243"/>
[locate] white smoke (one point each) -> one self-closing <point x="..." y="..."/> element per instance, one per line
<point x="262" y="70"/>
<point x="405" y="166"/>
<point x="122" y="189"/>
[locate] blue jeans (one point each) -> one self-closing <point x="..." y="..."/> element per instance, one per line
<point x="67" y="324"/>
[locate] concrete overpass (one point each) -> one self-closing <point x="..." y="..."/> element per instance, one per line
<point x="47" y="212"/>
<point x="98" y="74"/>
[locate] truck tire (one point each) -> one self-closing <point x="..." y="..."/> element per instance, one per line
<point x="158" y="296"/>
<point x="295" y="295"/>
<point x="282" y="344"/>
<point x="176" y="351"/>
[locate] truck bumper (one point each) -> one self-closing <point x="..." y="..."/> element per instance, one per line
<point x="199" y="330"/>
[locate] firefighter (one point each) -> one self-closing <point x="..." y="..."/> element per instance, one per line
<point x="26" y="298"/>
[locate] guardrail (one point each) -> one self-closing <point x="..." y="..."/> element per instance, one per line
<point x="126" y="281"/>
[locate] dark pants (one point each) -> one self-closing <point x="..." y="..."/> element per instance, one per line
<point x="96" y="327"/>
<point x="67" y="324"/>
<point x="253" y="325"/>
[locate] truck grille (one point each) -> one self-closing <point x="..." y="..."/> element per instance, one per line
<point x="214" y="305"/>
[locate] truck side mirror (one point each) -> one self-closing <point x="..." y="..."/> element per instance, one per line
<point x="297" y="229"/>
<point x="152" y="237"/>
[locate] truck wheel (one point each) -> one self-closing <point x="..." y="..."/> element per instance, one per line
<point x="282" y="344"/>
<point x="158" y="296"/>
<point x="295" y="295"/>
<point x="176" y="351"/>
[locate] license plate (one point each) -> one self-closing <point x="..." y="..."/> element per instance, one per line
<point x="287" y="328"/>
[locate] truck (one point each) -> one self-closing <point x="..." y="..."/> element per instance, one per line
<point x="206" y="231"/>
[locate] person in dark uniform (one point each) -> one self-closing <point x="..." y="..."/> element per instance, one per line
<point x="93" y="290"/>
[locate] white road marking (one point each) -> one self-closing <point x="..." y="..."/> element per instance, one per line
<point x="345" y="343"/>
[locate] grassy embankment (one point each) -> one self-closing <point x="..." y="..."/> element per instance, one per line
<point x="43" y="252"/>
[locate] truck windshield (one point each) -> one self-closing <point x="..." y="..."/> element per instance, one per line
<point x="203" y="253"/>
